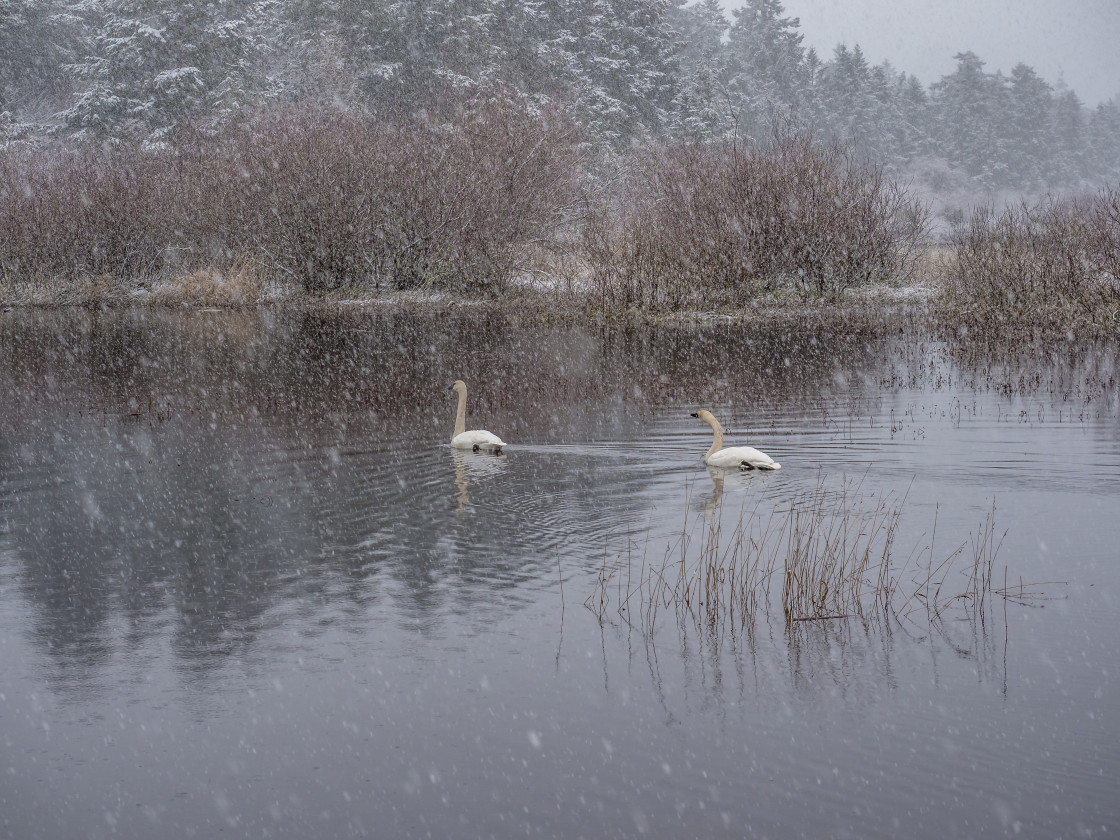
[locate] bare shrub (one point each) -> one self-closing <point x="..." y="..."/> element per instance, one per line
<point x="1104" y="239"/>
<point x="407" y="205"/>
<point x="708" y="224"/>
<point x="66" y="213"/>
<point x="325" y="199"/>
<point x="1056" y="259"/>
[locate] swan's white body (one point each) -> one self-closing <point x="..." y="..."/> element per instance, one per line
<point x="476" y="439"/>
<point x="733" y="457"/>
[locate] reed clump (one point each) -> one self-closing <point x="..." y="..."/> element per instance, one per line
<point x="323" y="200"/>
<point x="1058" y="260"/>
<point x="709" y="224"/>
<point x="829" y="555"/>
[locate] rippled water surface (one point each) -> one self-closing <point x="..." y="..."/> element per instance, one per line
<point x="247" y="589"/>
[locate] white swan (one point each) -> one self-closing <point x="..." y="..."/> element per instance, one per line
<point x="476" y="439"/>
<point x="739" y="457"/>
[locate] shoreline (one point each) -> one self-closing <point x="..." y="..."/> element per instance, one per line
<point x="874" y="306"/>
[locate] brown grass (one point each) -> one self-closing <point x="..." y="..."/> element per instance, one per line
<point x="830" y="555"/>
<point x="242" y="285"/>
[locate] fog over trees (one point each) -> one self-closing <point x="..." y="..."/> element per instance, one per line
<point x="628" y="70"/>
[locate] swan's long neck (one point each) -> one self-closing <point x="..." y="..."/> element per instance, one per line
<point x="717" y="437"/>
<point x="460" y="414"/>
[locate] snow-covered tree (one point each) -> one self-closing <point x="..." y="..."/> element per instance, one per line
<point x="1069" y="120"/>
<point x="698" y="30"/>
<point x="765" y="63"/>
<point x="38" y="38"/>
<point x="614" y="59"/>
<point x="701" y="108"/>
<point x="969" y="107"/>
<point x="1029" y="129"/>
<point x="158" y="65"/>
<point x="1103" y="138"/>
<point x="843" y="88"/>
<point x="914" y="112"/>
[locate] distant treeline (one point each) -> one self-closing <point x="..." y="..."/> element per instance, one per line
<point x="626" y="70"/>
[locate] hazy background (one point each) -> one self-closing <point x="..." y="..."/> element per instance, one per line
<point x="1073" y="41"/>
<point x="966" y="100"/>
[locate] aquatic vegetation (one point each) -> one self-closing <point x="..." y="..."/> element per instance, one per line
<point x="830" y="554"/>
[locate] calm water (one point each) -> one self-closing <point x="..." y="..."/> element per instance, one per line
<point x="247" y="590"/>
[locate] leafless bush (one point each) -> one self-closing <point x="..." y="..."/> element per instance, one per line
<point x="66" y="214"/>
<point x="1057" y="259"/>
<point x="325" y="199"/>
<point x="706" y="224"/>
<point x="405" y="205"/>
<point x="1104" y="239"/>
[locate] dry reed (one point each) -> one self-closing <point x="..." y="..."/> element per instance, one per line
<point x="830" y="555"/>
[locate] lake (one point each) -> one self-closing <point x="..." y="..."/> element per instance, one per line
<point x="248" y="590"/>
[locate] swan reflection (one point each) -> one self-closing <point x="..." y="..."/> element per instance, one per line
<point x="473" y="466"/>
<point x="723" y="478"/>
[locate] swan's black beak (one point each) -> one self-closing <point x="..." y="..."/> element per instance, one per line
<point x="694" y="414"/>
<point x="451" y="387"/>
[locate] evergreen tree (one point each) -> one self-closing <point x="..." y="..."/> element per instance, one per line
<point x="765" y="70"/>
<point x="844" y="85"/>
<point x="700" y="110"/>
<point x="38" y="38"/>
<point x="814" y="107"/>
<point x="1070" y="138"/>
<point x="698" y="33"/>
<point x="886" y="139"/>
<point x="615" y="60"/>
<point x="306" y="52"/>
<point x="520" y="28"/>
<point x="611" y="60"/>
<point x="969" y="105"/>
<point x="913" y="103"/>
<point x="1104" y="141"/>
<point x="1030" y="132"/>
<point x="158" y="65"/>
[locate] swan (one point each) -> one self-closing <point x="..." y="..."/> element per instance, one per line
<point x="476" y="439"/>
<point x="740" y="457"/>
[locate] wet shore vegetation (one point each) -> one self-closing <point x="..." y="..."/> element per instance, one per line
<point x="1056" y="260"/>
<point x="503" y="204"/>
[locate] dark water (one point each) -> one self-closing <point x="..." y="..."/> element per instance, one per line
<point x="247" y="590"/>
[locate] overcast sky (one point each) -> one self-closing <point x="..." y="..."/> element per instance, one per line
<point x="1078" y="40"/>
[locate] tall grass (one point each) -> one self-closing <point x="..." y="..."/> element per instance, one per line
<point x="1055" y="260"/>
<point x="323" y="199"/>
<point x="829" y="555"/>
<point x="702" y="224"/>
